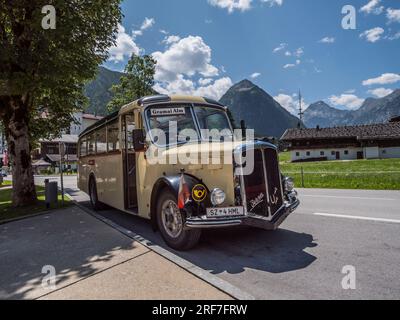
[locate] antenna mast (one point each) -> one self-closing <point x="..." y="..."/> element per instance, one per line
<point x="301" y="113"/>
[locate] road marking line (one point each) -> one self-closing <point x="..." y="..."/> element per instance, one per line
<point x="341" y="197"/>
<point x="356" y="217"/>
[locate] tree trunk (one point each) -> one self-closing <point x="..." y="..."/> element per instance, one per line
<point x="19" y="149"/>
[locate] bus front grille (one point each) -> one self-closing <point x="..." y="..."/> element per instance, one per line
<point x="263" y="187"/>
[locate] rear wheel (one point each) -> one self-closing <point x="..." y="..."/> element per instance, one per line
<point x="94" y="200"/>
<point x="171" y="224"/>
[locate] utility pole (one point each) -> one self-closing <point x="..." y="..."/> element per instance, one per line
<point x="62" y="153"/>
<point x="301" y="113"/>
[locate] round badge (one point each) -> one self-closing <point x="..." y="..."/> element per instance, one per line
<point x="199" y="193"/>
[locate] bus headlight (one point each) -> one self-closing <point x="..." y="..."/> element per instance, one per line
<point x="288" y="184"/>
<point x="218" y="197"/>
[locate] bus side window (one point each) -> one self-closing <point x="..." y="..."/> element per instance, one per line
<point x="101" y="141"/>
<point x="91" y="146"/>
<point x="128" y="126"/>
<point x="82" y="148"/>
<point x="113" y="136"/>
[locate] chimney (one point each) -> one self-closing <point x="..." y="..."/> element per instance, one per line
<point x="318" y="128"/>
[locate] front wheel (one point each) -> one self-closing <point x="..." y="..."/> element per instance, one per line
<point x="171" y="224"/>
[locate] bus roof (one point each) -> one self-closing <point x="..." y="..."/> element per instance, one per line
<point x="149" y="100"/>
<point x="145" y="101"/>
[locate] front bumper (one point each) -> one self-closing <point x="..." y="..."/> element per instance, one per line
<point x="249" y="220"/>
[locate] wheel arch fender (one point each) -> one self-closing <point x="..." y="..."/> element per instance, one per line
<point x="171" y="183"/>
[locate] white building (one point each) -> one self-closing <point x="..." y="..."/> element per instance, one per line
<point x="84" y="120"/>
<point x="378" y="141"/>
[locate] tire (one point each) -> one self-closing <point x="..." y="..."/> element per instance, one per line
<point x="179" y="238"/>
<point x="94" y="200"/>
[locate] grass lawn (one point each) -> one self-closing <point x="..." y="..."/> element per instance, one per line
<point x="358" y="174"/>
<point x="5" y="184"/>
<point x="8" y="212"/>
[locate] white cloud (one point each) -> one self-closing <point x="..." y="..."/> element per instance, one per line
<point x="171" y="39"/>
<point x="290" y="103"/>
<point x="327" y="40"/>
<point x="182" y="61"/>
<point x="395" y="36"/>
<point x="255" y="75"/>
<point x="373" y="35"/>
<point x="281" y="47"/>
<point x="292" y="65"/>
<point x="205" y="82"/>
<point x="231" y="5"/>
<point x="273" y="2"/>
<point x="186" y="86"/>
<point x="380" y="92"/>
<point x="125" y="46"/>
<point x="350" y="101"/>
<point x="393" y="15"/>
<point x="188" y="56"/>
<point x="288" y="54"/>
<point x="289" y="65"/>
<point x="373" y="7"/>
<point x="215" y="90"/>
<point x="386" y="78"/>
<point x="146" y="24"/>
<point x="299" y="52"/>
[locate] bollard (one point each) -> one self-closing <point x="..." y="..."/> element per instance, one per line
<point x="51" y="193"/>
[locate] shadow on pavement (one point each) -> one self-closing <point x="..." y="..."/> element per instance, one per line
<point x="234" y="250"/>
<point x="76" y="244"/>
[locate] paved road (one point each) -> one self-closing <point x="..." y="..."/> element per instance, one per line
<point x="305" y="258"/>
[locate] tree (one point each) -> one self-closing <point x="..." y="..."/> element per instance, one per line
<point x="137" y="82"/>
<point x="45" y="60"/>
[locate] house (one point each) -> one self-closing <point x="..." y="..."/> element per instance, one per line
<point x="84" y="121"/>
<point x="376" y="141"/>
<point x="50" y="151"/>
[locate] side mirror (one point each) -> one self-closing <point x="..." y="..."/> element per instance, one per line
<point x="139" y="139"/>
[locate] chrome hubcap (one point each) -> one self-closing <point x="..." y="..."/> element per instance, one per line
<point x="171" y="218"/>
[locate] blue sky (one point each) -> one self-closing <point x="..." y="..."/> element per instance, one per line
<point x="205" y="46"/>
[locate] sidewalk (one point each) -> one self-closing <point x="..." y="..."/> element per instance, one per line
<point x="92" y="261"/>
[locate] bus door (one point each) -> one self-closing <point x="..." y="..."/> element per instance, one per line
<point x="130" y="188"/>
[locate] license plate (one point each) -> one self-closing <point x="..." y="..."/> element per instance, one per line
<point x="225" y="212"/>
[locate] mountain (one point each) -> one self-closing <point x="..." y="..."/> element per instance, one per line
<point x="323" y="115"/>
<point x="98" y="91"/>
<point x="261" y="112"/>
<point x="372" y="111"/>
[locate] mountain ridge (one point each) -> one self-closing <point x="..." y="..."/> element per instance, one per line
<point x="372" y="111"/>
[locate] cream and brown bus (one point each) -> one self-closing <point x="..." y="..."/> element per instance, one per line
<point x="117" y="168"/>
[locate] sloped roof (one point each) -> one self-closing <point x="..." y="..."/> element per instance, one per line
<point x="57" y="157"/>
<point x="41" y="163"/>
<point x="65" y="138"/>
<point x="373" y="131"/>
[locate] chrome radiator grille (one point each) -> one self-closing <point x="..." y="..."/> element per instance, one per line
<point x="263" y="188"/>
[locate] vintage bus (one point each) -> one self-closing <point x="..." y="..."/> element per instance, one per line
<point x="180" y="199"/>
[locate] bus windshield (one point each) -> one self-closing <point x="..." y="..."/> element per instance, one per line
<point x="172" y="120"/>
<point x="213" y="123"/>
